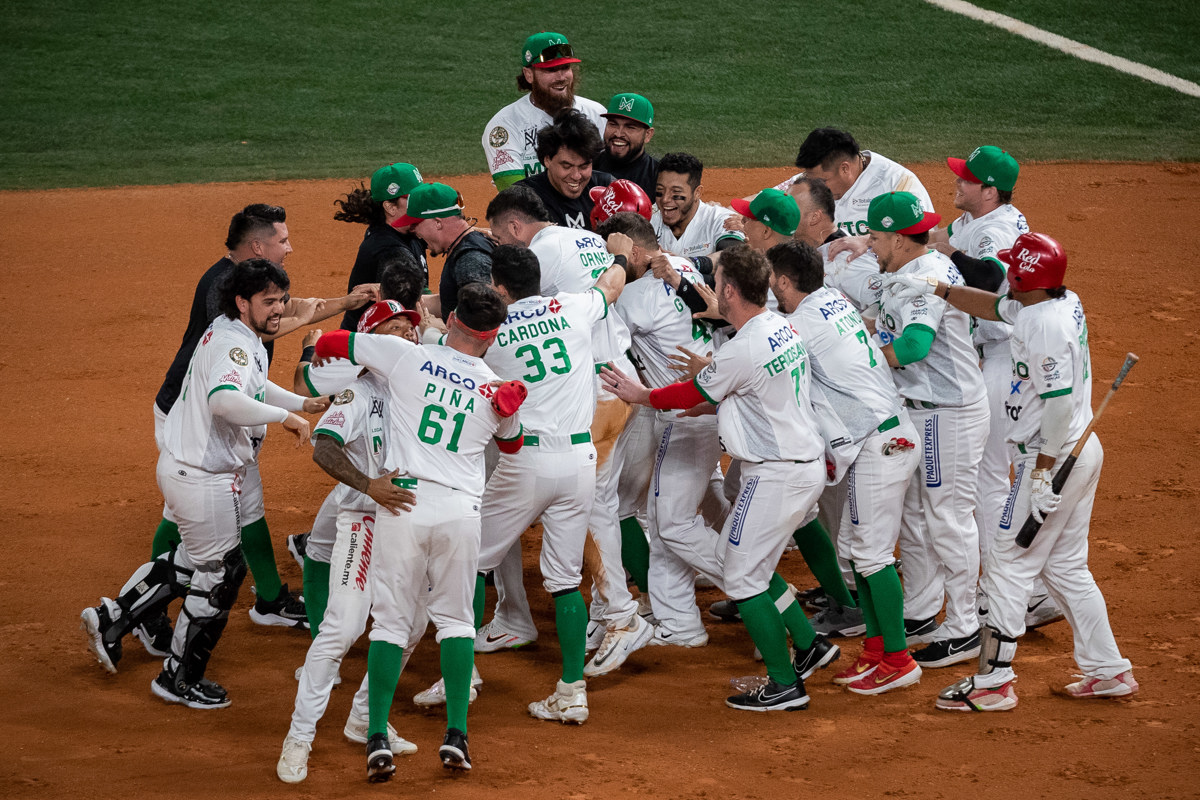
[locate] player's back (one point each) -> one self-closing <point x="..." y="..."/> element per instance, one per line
<point x="881" y="175"/>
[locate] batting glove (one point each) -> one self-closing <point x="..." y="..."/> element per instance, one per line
<point x="508" y="398"/>
<point x="1042" y="499"/>
<point x="908" y="287"/>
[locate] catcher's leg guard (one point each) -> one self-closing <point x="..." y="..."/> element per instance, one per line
<point x="996" y="651"/>
<point x="148" y="592"/>
<point x="205" y="613"/>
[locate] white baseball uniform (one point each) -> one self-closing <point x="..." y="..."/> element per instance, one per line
<point x="510" y="138"/>
<point x="1050" y="358"/>
<point x="947" y="402"/>
<point x="858" y="279"/>
<point x="702" y="234"/>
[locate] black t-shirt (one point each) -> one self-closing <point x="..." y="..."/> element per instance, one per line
<point x="380" y="240"/>
<point x="563" y="210"/>
<point x="643" y="170"/>
<point x="204" y="310"/>
<point x="469" y="262"/>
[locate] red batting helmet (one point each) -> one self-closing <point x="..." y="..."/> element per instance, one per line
<point x="1035" y="261"/>
<point x="620" y="195"/>
<point x="380" y="313"/>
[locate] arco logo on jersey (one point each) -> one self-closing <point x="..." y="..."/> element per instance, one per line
<point x="438" y="371"/>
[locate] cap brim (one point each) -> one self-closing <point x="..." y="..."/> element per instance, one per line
<point x="608" y="114"/>
<point x="742" y="206"/>
<point x="555" y="62"/>
<point x="928" y="222"/>
<point x="1004" y="256"/>
<point x="596" y="192"/>
<point x="405" y="221"/>
<point x="959" y="167"/>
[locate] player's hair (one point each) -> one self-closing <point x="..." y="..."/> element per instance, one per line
<point x="633" y="225"/>
<point x="826" y="147"/>
<point x="256" y="219"/>
<point x="917" y="238"/>
<point x="1004" y="196"/>
<point x="248" y="278"/>
<point x="683" y="164"/>
<point x="800" y="263"/>
<point x="747" y="271"/>
<point x="573" y="130"/>
<point x="820" y="193"/>
<point x="519" y="200"/>
<point x="480" y="307"/>
<point x="358" y="206"/>
<point x="1057" y="292"/>
<point x="517" y="270"/>
<point x="400" y="277"/>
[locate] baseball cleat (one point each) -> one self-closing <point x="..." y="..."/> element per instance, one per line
<point x="293" y="761"/>
<point x="379" y="759"/>
<point x="964" y="696"/>
<point x="491" y="638"/>
<point x="297" y="545"/>
<point x="617" y="645"/>
<point x="596" y="630"/>
<point x="771" y="696"/>
<point x="864" y="665"/>
<point x="1041" y="611"/>
<point x="886" y="677"/>
<point x="820" y="654"/>
<point x="436" y="695"/>
<point x="919" y="631"/>
<point x="285" y="611"/>
<point x="568" y="704"/>
<point x="453" y="752"/>
<point x="726" y="611"/>
<point x="202" y="694"/>
<point x="663" y="637"/>
<point x="839" y="620"/>
<point x="1122" y="685"/>
<point x="356" y="731"/>
<point x="155" y="635"/>
<point x="945" y="652"/>
<point x="94" y="622"/>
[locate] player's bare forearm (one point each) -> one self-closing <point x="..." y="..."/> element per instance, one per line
<point x="976" y="302"/>
<point x="358" y="297"/>
<point x="330" y="456"/>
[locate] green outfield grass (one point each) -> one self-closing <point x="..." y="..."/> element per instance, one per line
<point x="145" y="92"/>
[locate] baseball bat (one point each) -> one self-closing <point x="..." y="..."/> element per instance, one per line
<point x="1032" y="526"/>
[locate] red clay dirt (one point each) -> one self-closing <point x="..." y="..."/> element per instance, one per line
<point x="107" y="276"/>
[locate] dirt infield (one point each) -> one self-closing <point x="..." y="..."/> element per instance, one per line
<point x="110" y="273"/>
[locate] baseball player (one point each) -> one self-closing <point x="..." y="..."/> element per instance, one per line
<point x="211" y="437"/>
<point x="629" y="127"/>
<point x="758" y="383"/>
<point x="620" y="195"/>
<point x="567" y="147"/>
<point x="851" y="370"/>
<point x="684" y="224"/>
<point x="350" y="445"/>
<point x="936" y="369"/>
<point x="510" y="138"/>
<point x="1048" y="410"/>
<point x="444" y="405"/>
<point x="377" y="207"/>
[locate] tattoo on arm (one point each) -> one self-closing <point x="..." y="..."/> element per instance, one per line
<point x="330" y="457"/>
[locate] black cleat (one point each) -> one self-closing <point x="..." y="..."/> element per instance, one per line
<point x="820" y="654"/>
<point x="155" y="635"/>
<point x="379" y="759"/>
<point x="771" y="696"/>
<point x="95" y="622"/>
<point x="203" y="694"/>
<point x="286" y="610"/>
<point x="453" y="752"/>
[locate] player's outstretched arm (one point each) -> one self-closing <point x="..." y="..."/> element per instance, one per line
<point x="299" y="385"/>
<point x="976" y="302"/>
<point x="329" y="456"/>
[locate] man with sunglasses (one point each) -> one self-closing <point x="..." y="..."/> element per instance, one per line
<point x="549" y="76"/>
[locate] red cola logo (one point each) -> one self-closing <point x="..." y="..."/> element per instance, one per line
<point x="1028" y="261"/>
<point x="364" y="562"/>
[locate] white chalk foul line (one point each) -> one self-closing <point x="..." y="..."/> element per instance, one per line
<point x="1068" y="46"/>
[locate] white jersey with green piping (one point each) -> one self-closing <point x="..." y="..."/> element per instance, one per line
<point x="510" y="138"/>
<point x="357" y="420"/>
<point x="983" y="238"/>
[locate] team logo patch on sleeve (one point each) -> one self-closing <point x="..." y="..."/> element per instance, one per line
<point x="1049" y="364"/>
<point x="343" y="397"/>
<point x="238" y="356"/>
<point x="498" y="137"/>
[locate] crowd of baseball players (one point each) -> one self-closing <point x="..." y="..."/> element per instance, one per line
<point x="678" y="390"/>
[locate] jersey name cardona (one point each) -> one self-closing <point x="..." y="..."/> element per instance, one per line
<point x="533" y="330"/>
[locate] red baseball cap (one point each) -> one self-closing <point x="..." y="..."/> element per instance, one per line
<point x="380" y="313"/>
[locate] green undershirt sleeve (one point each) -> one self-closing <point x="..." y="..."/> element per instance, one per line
<point x="914" y="344"/>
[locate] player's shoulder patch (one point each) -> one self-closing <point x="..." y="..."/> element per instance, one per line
<point x="238" y="356"/>
<point x="498" y="136"/>
<point x="343" y="397"/>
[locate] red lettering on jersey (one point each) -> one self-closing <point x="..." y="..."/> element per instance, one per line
<point x="336" y="418"/>
<point x="360" y="580"/>
<point x="232" y="377"/>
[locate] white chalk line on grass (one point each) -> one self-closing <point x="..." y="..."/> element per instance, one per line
<point x="1068" y="46"/>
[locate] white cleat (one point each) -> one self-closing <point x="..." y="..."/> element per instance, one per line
<point x="356" y="731"/>
<point x="617" y="645"/>
<point x="436" y="695"/>
<point x="568" y="704"/>
<point x="293" y="761"/>
<point x="663" y="637"/>
<point x="492" y="637"/>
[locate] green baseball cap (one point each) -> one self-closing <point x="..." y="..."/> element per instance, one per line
<point x="898" y="212"/>
<point x="546" y="50"/>
<point x="773" y="208"/>
<point x="988" y="165"/>
<point x="431" y="201"/>
<point x="632" y="106"/>
<point x="394" y="180"/>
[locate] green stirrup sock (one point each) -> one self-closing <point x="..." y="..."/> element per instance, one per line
<point x="479" y="600"/>
<point x="316" y="593"/>
<point x="458" y="659"/>
<point x="766" y="628"/>
<point x="635" y="552"/>
<point x="571" y="619"/>
<point x="260" y="558"/>
<point x="887" y="595"/>
<point x="866" y="602"/>
<point x="793" y="616"/>
<point x="384" y="662"/>
<point x="166" y="536"/>
<point x="817" y="549"/>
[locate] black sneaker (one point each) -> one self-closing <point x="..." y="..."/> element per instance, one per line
<point x="155" y="635"/>
<point x="814" y="599"/>
<point x="195" y="695"/>
<point x="379" y="759"/>
<point x="945" y="652"/>
<point x="919" y="631"/>
<point x="94" y="622"/>
<point x="820" y="654"/>
<point x="211" y="689"/>
<point x="726" y="611"/>
<point x="453" y="751"/>
<point x="297" y="545"/>
<point x="771" y="696"/>
<point x="287" y="610"/>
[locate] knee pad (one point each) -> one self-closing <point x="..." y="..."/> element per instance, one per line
<point x="225" y="593"/>
<point x="996" y="650"/>
<point x="151" y="589"/>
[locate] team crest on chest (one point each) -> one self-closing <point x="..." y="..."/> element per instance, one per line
<point x="238" y="356"/>
<point x="343" y="397"/>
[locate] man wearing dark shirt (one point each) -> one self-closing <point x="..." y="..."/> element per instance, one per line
<point x="629" y="129"/>
<point x="567" y="147"/>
